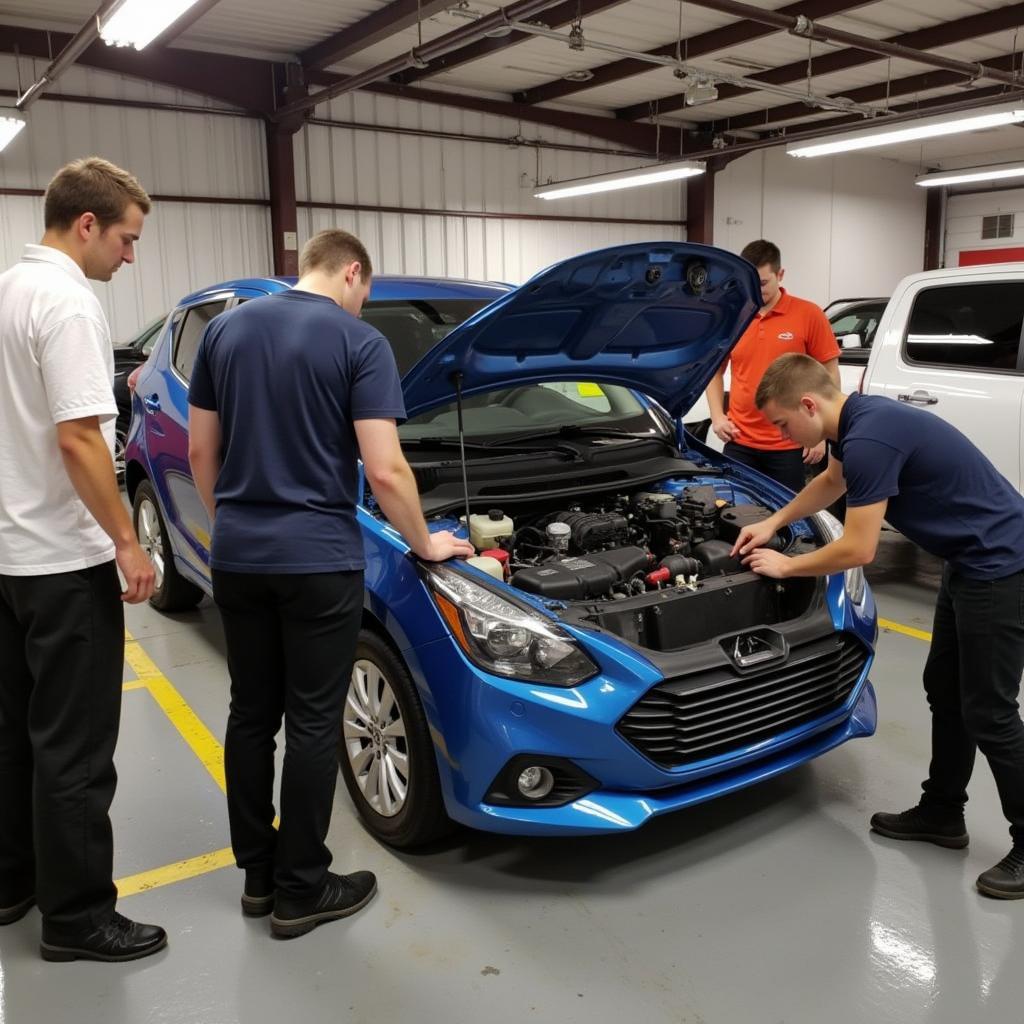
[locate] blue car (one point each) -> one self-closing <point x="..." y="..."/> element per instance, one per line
<point x="604" y="660"/>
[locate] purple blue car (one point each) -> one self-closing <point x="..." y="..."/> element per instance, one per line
<point x="606" y="660"/>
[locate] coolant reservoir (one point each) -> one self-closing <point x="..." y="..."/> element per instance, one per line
<point x="486" y="530"/>
<point x="486" y="564"/>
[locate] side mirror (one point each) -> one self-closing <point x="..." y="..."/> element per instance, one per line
<point x="851" y="341"/>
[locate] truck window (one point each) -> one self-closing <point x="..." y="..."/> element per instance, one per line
<point x="976" y="326"/>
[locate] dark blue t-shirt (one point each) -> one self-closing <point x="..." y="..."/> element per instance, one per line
<point x="943" y="493"/>
<point x="287" y="375"/>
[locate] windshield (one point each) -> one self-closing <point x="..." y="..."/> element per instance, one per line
<point x="414" y="327"/>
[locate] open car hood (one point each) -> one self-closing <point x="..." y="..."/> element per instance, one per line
<point x="657" y="317"/>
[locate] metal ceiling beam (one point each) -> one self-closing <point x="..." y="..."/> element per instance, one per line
<point x="240" y="81"/>
<point x="947" y="34"/>
<point x="185" y="22"/>
<point x="374" y="28"/>
<point x="420" y="55"/>
<point x="870" y="94"/>
<point x="554" y="17"/>
<point x="696" y="46"/>
<point x="645" y="139"/>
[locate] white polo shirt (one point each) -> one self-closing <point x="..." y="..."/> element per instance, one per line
<point x="56" y="364"/>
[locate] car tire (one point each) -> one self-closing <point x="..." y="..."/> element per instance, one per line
<point x="172" y="592"/>
<point x="385" y="751"/>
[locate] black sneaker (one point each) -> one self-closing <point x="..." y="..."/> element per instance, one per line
<point x="918" y="825"/>
<point x="340" y="896"/>
<point x="258" y="895"/>
<point x="115" y="942"/>
<point x="17" y="910"/>
<point x="1006" y="880"/>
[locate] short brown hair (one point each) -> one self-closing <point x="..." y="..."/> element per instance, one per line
<point x="333" y="249"/>
<point x="761" y="252"/>
<point x="791" y="377"/>
<point x="92" y="185"/>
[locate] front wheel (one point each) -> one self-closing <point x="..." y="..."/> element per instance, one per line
<point x="171" y="591"/>
<point x="385" y="751"/>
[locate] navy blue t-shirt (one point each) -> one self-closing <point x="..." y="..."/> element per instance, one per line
<point x="943" y="493"/>
<point x="287" y="375"/>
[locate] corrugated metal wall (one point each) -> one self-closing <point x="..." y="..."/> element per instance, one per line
<point x="184" y="245"/>
<point x="336" y="165"/>
<point x="188" y="245"/>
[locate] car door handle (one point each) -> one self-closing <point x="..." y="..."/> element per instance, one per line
<point x="919" y="398"/>
<point x="152" y="403"/>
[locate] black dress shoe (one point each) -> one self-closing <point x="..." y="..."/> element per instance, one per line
<point x="340" y="896"/>
<point x="916" y="824"/>
<point x="115" y="942"/>
<point x="258" y="895"/>
<point x="1006" y="880"/>
<point x="16" y="911"/>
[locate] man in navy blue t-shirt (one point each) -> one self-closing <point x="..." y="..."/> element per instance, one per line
<point x="922" y="475"/>
<point x="287" y="392"/>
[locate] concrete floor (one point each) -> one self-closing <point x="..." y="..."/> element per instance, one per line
<point x="773" y="905"/>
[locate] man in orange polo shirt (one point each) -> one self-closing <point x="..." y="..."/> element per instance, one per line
<point x="783" y="324"/>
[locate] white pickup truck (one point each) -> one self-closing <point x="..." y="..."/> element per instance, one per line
<point x="950" y="342"/>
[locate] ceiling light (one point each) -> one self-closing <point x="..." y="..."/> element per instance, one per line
<point x="702" y="90"/>
<point x="653" y="174"/>
<point x="926" y="128"/>
<point x="964" y="175"/>
<point x="138" y="22"/>
<point x="583" y="75"/>
<point x="10" y="125"/>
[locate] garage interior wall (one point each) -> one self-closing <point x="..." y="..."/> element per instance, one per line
<point x="847" y="226"/>
<point x="964" y="215"/>
<point x="184" y="246"/>
<point x="381" y="169"/>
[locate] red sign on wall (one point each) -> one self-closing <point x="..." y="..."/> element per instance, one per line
<point x="975" y="257"/>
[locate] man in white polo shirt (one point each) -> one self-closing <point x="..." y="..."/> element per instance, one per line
<point x="64" y="534"/>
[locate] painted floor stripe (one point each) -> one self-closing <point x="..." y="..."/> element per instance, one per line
<point x="896" y="627"/>
<point x="132" y="885"/>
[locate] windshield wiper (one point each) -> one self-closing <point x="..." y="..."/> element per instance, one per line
<point x="572" y="430"/>
<point x="485" y="446"/>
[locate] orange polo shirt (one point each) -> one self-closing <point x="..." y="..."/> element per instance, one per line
<point x="793" y="325"/>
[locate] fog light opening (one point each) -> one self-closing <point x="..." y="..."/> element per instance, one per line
<point x="535" y="782"/>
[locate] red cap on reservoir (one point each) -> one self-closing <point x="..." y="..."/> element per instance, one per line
<point x="500" y="555"/>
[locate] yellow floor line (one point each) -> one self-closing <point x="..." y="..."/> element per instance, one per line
<point x="896" y="627"/>
<point x="171" y="873"/>
<point x="134" y="684"/>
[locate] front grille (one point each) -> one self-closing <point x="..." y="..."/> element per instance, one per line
<point x="696" y="717"/>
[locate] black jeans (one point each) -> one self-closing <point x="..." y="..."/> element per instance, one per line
<point x="291" y="642"/>
<point x="972" y="681"/>
<point x="61" y="668"/>
<point x="787" y="466"/>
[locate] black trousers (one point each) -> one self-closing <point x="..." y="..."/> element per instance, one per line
<point x="787" y="466"/>
<point x="291" y="642"/>
<point x="61" y="659"/>
<point x="972" y="681"/>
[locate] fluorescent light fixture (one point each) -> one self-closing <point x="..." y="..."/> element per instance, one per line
<point x="651" y="175"/>
<point x="926" y="128"/>
<point x="965" y="175"/>
<point x="10" y="125"/>
<point x="138" y="22"/>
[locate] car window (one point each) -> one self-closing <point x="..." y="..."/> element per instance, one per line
<point x="415" y="326"/>
<point x="970" y="325"/>
<point x="190" y="333"/>
<point x="150" y="339"/>
<point x="861" y="320"/>
<point x="525" y="407"/>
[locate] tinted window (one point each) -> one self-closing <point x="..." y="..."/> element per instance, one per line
<point x="971" y="325"/>
<point x="860" y="320"/>
<point x="149" y="340"/>
<point x="415" y="327"/>
<point x="190" y="333"/>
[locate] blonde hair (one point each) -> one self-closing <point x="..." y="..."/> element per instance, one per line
<point x="333" y="249"/>
<point x="791" y="377"/>
<point x="91" y="185"/>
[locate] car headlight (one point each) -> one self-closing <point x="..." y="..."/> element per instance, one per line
<point x="831" y="529"/>
<point x="503" y="637"/>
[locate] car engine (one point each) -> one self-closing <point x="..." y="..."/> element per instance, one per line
<point x="626" y="545"/>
